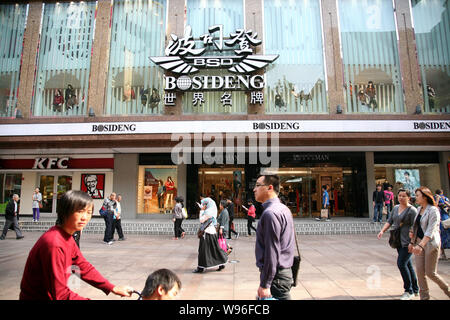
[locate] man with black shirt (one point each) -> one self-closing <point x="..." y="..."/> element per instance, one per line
<point x="11" y="214"/>
<point x="230" y="210"/>
<point x="378" y="203"/>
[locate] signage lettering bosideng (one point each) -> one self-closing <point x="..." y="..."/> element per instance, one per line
<point x="113" y="127"/>
<point x="431" y="125"/>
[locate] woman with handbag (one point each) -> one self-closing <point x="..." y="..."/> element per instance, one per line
<point x="210" y="254"/>
<point x="402" y="218"/>
<point x="37" y="204"/>
<point x="426" y="243"/>
<point x="223" y="225"/>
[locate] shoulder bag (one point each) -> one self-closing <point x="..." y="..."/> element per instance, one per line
<point x="203" y="226"/>
<point x="395" y="234"/>
<point x="296" y="264"/>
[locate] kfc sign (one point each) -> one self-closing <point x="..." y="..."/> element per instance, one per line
<point x="51" y="163"/>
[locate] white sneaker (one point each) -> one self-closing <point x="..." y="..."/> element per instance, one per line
<point x="406" y="296"/>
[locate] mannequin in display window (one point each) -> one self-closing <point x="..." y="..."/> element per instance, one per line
<point x="371" y="92"/>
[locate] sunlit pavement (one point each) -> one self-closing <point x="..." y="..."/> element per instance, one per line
<point x="337" y="267"/>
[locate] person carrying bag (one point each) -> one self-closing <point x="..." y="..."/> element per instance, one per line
<point x="402" y="221"/>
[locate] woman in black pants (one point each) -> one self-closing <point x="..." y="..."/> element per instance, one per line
<point x="403" y="217"/>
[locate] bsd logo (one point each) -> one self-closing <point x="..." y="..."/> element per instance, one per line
<point x="213" y="62"/>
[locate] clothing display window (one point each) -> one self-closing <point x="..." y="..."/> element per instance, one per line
<point x="295" y="82"/>
<point x="12" y="23"/>
<point x="64" y="59"/>
<point x="431" y="27"/>
<point x="157" y="189"/>
<point x="372" y="79"/>
<point x="134" y="83"/>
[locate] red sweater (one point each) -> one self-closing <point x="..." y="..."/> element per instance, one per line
<point x="49" y="266"/>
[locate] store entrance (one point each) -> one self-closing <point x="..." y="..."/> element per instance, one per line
<point x="301" y="190"/>
<point x="52" y="188"/>
<point x="224" y="183"/>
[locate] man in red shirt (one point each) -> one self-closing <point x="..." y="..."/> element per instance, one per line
<point x="51" y="260"/>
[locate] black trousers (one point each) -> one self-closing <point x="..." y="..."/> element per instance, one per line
<point x="118" y="227"/>
<point x="178" y="230"/>
<point x="250" y="226"/>
<point x="109" y="227"/>
<point x="230" y="228"/>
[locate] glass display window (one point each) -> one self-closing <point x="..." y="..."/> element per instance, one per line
<point x="295" y="82"/>
<point x="372" y="78"/>
<point x="431" y="20"/>
<point x="157" y="189"/>
<point x="200" y="16"/>
<point x="12" y="23"/>
<point x="134" y="83"/>
<point x="64" y="59"/>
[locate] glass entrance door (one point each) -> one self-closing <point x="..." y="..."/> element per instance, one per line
<point x="52" y="188"/>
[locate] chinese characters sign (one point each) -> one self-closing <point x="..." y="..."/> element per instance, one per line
<point x="184" y="59"/>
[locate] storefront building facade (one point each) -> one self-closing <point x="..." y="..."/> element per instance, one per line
<point x="111" y="93"/>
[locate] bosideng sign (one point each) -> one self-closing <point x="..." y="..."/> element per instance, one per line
<point x="184" y="59"/>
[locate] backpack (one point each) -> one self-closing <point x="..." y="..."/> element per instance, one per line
<point x="103" y="212"/>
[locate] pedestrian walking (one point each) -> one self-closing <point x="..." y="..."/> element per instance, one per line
<point x="443" y="204"/>
<point x="230" y="209"/>
<point x="251" y="216"/>
<point x="275" y="242"/>
<point x="55" y="256"/>
<point x="36" y="204"/>
<point x="378" y="204"/>
<point x="223" y="223"/>
<point x="177" y="217"/>
<point x="210" y="255"/>
<point x="11" y="215"/>
<point x="389" y="201"/>
<point x="110" y="207"/>
<point x="325" y="203"/>
<point x="426" y="243"/>
<point x="118" y="219"/>
<point x="403" y="217"/>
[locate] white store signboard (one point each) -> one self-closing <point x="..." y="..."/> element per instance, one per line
<point x="240" y="126"/>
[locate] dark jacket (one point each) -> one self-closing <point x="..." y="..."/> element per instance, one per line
<point x="378" y="197"/>
<point x="9" y="211"/>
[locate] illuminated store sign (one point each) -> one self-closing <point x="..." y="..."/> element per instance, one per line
<point x="184" y="59"/>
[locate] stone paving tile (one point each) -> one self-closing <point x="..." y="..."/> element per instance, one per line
<point x="337" y="267"/>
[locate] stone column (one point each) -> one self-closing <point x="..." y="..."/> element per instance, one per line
<point x="333" y="59"/>
<point x="370" y="174"/>
<point x="126" y="169"/>
<point x="409" y="64"/>
<point x="29" y="64"/>
<point x="175" y="25"/>
<point x="100" y="58"/>
<point x="444" y="158"/>
<point x="253" y="21"/>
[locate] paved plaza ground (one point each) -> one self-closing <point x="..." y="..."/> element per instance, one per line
<point x="336" y="267"/>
